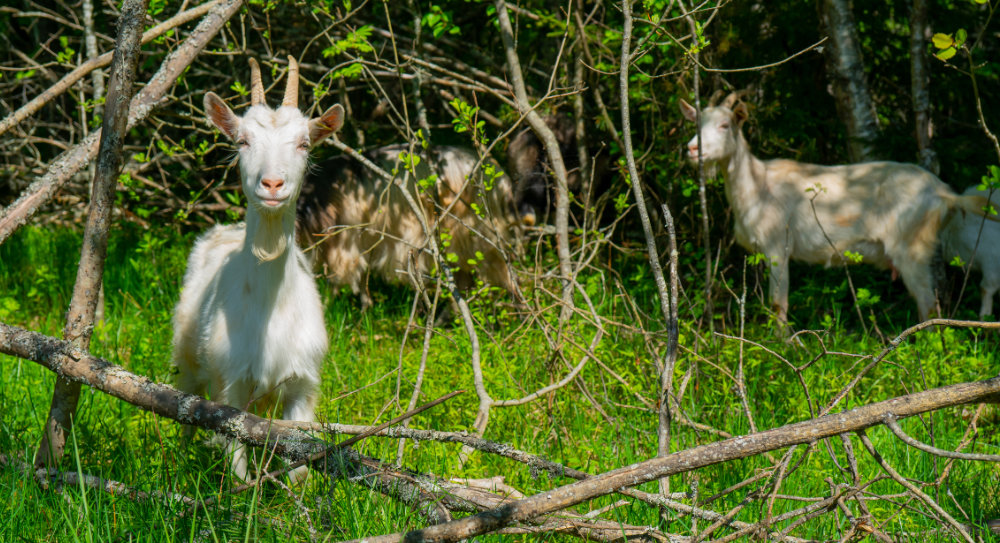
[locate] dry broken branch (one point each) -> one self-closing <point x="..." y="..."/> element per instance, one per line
<point x="704" y="455"/>
<point x="422" y="492"/>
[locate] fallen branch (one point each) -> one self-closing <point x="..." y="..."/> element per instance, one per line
<point x="912" y="487"/>
<point x="890" y="421"/>
<point x="425" y="493"/>
<point x="110" y="486"/>
<point x="76" y="365"/>
<point x="704" y="455"/>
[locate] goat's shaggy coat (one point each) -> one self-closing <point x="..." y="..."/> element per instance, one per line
<point x="361" y="224"/>
<point x="961" y="237"/>
<point x="886" y="212"/>
<point x="249" y="328"/>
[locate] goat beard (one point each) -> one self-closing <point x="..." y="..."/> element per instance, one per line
<point x="269" y="237"/>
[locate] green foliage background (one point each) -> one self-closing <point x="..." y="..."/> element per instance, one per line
<point x="178" y="180"/>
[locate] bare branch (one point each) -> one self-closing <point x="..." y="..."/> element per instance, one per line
<point x="890" y="421"/>
<point x="913" y="488"/>
<point x="150" y="97"/>
<point x="99" y="62"/>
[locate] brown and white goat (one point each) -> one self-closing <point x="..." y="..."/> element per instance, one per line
<point x="887" y="212"/>
<point x="360" y="223"/>
<point x="249" y="323"/>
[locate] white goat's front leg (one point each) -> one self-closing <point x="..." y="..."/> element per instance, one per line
<point x="300" y="403"/>
<point x="778" y="287"/>
<point x="237" y="395"/>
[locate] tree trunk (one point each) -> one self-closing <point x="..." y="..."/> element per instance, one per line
<point x="845" y="68"/>
<point x="919" y="83"/>
<point x="80" y="319"/>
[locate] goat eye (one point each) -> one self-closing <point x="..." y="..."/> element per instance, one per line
<point x="242" y="142"/>
<point x="304" y="146"/>
<point x="724" y="126"/>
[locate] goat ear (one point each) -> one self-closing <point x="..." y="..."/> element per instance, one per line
<point x="221" y="116"/>
<point x="326" y="124"/>
<point x="689" y="112"/>
<point x="740" y="113"/>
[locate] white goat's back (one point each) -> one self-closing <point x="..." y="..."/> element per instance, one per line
<point x="884" y="211"/>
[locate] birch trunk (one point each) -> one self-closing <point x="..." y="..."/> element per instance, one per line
<point x="919" y="85"/>
<point x="846" y="70"/>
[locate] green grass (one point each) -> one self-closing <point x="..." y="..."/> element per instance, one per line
<point x="114" y="440"/>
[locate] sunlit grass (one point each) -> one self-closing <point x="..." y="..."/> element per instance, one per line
<point x="612" y="428"/>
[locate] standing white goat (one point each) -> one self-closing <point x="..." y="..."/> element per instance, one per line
<point x="886" y="214"/>
<point x="249" y="324"/>
<point x="962" y="236"/>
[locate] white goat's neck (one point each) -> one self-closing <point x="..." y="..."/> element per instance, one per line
<point x="270" y="236"/>
<point x="744" y="173"/>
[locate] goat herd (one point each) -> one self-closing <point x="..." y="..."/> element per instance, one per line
<point x="249" y="324"/>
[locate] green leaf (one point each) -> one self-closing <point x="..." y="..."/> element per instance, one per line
<point x="239" y="88"/>
<point x="854" y="257"/>
<point x="942" y="41"/>
<point x="946" y="54"/>
<point x="960" y="36"/>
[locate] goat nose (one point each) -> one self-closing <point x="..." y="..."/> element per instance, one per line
<point x="272" y="184"/>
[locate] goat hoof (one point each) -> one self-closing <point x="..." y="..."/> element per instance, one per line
<point x="298" y="475"/>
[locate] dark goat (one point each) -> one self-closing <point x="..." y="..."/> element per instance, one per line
<point x="528" y="165"/>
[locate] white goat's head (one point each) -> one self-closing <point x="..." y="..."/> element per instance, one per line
<point x="720" y="128"/>
<point x="273" y="143"/>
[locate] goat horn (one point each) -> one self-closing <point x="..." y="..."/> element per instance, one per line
<point x="292" y="89"/>
<point x="734" y="97"/>
<point x="714" y="100"/>
<point x="256" y="87"/>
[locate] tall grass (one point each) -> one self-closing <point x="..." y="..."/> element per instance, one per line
<point x="606" y="428"/>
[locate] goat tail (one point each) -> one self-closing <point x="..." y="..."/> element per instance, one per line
<point x="978" y="205"/>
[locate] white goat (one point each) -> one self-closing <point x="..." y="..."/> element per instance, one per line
<point x="882" y="213"/>
<point x="361" y="223"/>
<point x="962" y="235"/>
<point x="249" y="324"/>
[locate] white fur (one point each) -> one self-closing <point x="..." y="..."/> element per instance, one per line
<point x="249" y="327"/>
<point x="889" y="213"/>
<point x="962" y="235"/>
